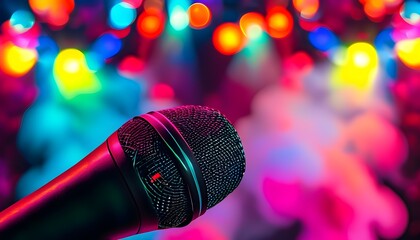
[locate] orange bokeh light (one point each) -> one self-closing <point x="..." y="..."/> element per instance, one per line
<point x="200" y="15"/>
<point x="228" y="38"/>
<point x="251" y="21"/>
<point x="306" y="8"/>
<point x="279" y="22"/>
<point x="54" y="12"/>
<point x="150" y="24"/>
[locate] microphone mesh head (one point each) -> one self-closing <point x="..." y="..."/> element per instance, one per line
<point x="215" y="145"/>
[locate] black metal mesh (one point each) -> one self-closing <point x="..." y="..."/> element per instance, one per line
<point x="215" y="145"/>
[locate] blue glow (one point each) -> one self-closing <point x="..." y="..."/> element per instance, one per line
<point x="21" y="21"/>
<point x="323" y="39"/>
<point x="107" y="45"/>
<point x="121" y="15"/>
<point x="410" y="12"/>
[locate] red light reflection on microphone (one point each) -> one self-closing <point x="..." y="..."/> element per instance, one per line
<point x="155" y="177"/>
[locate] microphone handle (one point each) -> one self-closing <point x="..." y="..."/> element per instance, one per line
<point x="101" y="197"/>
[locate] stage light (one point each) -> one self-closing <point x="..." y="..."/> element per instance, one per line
<point x="199" y="15"/>
<point x="178" y="18"/>
<point x="150" y="24"/>
<point x="21" y="21"/>
<point x="252" y="25"/>
<point x="279" y="22"/>
<point x="16" y="61"/>
<point x="323" y="39"/>
<point x="72" y="74"/>
<point x="306" y="8"/>
<point x="121" y="15"/>
<point x="408" y="51"/>
<point x="228" y="38"/>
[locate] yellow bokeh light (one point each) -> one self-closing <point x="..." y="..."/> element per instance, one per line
<point x="72" y="74"/>
<point x="16" y="61"/>
<point x="228" y="38"/>
<point x="359" y="68"/>
<point x="408" y="51"/>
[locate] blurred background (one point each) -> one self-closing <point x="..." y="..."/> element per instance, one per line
<point x="324" y="94"/>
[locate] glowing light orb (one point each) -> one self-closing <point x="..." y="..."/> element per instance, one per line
<point x="150" y="24"/>
<point x="178" y="18"/>
<point x="72" y="74"/>
<point x="162" y="91"/>
<point x="16" y="61"/>
<point x="359" y="68"/>
<point x="107" y="45"/>
<point x="252" y="25"/>
<point x="131" y="66"/>
<point x="228" y="38"/>
<point x="21" y="21"/>
<point x="375" y="9"/>
<point x="121" y="15"/>
<point x="306" y="8"/>
<point x="199" y="15"/>
<point x="133" y="3"/>
<point x="408" y="51"/>
<point x="55" y="12"/>
<point x="410" y="12"/>
<point x="323" y="39"/>
<point x="279" y="22"/>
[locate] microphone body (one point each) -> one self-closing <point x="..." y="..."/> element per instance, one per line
<point x="98" y="198"/>
<point x="159" y="170"/>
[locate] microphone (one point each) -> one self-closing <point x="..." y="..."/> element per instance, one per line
<point x="159" y="170"/>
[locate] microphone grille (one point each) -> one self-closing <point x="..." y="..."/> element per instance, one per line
<point x="215" y="145"/>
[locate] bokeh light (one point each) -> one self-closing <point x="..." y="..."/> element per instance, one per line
<point x="410" y="12"/>
<point x="199" y="15"/>
<point x="150" y="24"/>
<point x="323" y="39"/>
<point x="121" y="15"/>
<point x="22" y="20"/>
<point x="359" y="68"/>
<point x="72" y="75"/>
<point x="54" y="12"/>
<point x="408" y="51"/>
<point x="16" y="61"/>
<point x="178" y="18"/>
<point x="279" y="22"/>
<point x="134" y="3"/>
<point x="228" y="38"/>
<point x="252" y="25"/>
<point x="162" y="91"/>
<point x="306" y="8"/>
